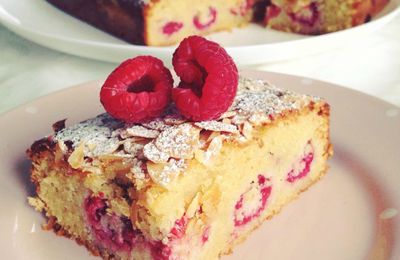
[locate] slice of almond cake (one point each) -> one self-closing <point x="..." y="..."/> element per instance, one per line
<point x="175" y="189"/>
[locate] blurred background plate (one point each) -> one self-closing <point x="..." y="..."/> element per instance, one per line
<point x="42" y="23"/>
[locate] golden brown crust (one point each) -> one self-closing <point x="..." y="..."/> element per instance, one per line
<point x="120" y="21"/>
<point x="364" y="10"/>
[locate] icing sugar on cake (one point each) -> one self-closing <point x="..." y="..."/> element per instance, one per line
<point x="171" y="140"/>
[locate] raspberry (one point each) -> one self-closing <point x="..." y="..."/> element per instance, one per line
<point x="204" y="25"/>
<point x="272" y="12"/>
<point x="171" y="28"/>
<point x="179" y="229"/>
<point x="302" y="168"/>
<point x="209" y="79"/>
<point x="111" y="231"/>
<point x="307" y="16"/>
<point x="137" y="90"/>
<point x="243" y="214"/>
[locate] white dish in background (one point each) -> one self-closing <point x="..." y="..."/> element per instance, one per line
<point x="352" y="213"/>
<point x="42" y="23"/>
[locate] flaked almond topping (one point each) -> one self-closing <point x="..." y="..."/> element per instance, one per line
<point x="179" y="141"/>
<point x="137" y="170"/>
<point x="174" y="119"/>
<point x="217" y="126"/>
<point x="247" y="130"/>
<point x="163" y="174"/>
<point x="76" y="159"/>
<point x="154" y="154"/>
<point x="228" y="114"/>
<point x="169" y="140"/>
<point x="156" y="124"/>
<point x="139" y="131"/>
<point x="259" y="119"/>
<point x="213" y="149"/>
<point x="132" y="147"/>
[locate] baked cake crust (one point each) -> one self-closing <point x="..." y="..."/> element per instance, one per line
<point x="121" y="18"/>
<point x="173" y="189"/>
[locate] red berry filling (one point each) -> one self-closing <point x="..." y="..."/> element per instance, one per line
<point x="308" y="15"/>
<point x="252" y="202"/>
<point x="272" y="12"/>
<point x="137" y="90"/>
<point x="161" y="251"/>
<point x="243" y="9"/>
<point x="171" y="28"/>
<point x="302" y="168"/>
<point x="179" y="229"/>
<point x="212" y="17"/>
<point x="113" y="232"/>
<point x="206" y="235"/>
<point x="209" y="79"/>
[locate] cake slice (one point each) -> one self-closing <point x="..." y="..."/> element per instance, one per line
<point x="159" y="23"/>
<point x="174" y="189"/>
<point x="319" y="17"/>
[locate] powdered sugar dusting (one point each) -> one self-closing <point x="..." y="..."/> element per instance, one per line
<point x="217" y="126"/>
<point x="168" y="173"/>
<point x="170" y="140"/>
<point x="179" y="141"/>
<point x="256" y="96"/>
<point x="95" y="133"/>
<point x="139" y="131"/>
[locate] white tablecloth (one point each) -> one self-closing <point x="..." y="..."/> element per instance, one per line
<point x="28" y="70"/>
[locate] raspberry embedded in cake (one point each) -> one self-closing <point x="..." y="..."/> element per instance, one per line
<point x="202" y="23"/>
<point x="172" y="27"/>
<point x="253" y="201"/>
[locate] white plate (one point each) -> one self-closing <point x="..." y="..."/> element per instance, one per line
<point x="40" y="22"/>
<point x="352" y="213"/>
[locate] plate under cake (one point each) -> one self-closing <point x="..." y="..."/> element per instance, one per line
<point x="174" y="189"/>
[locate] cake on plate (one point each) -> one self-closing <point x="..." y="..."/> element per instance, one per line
<point x="165" y="22"/>
<point x="179" y="184"/>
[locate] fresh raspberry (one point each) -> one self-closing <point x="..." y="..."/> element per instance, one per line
<point x="138" y="90"/>
<point x="209" y="79"/>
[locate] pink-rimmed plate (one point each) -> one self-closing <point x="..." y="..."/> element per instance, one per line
<point x="352" y="213"/>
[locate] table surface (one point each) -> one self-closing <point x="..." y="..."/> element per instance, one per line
<point x="28" y="70"/>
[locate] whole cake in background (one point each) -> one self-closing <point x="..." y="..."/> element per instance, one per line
<point x="166" y="22"/>
<point x="184" y="172"/>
